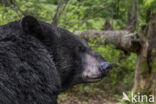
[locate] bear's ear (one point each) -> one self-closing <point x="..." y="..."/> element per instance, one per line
<point x="32" y="26"/>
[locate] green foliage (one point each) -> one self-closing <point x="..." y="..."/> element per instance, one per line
<point x="147" y="8"/>
<point x="78" y="14"/>
<point x="85" y="15"/>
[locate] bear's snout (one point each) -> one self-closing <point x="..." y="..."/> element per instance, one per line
<point x="96" y="67"/>
<point x="105" y="67"/>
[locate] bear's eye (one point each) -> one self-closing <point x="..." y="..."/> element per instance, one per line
<point x="80" y="49"/>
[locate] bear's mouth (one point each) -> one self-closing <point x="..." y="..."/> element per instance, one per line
<point x="92" y="79"/>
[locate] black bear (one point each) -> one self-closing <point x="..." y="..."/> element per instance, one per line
<point x="38" y="61"/>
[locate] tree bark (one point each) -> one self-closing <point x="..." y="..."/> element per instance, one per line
<point x="145" y="76"/>
<point x="123" y="40"/>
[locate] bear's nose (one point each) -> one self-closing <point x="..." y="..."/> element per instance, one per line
<point x="105" y="67"/>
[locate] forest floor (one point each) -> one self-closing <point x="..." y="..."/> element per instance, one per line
<point x="74" y="99"/>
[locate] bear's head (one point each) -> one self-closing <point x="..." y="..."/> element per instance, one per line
<point x="75" y="61"/>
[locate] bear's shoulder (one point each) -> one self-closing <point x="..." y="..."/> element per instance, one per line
<point x="7" y="30"/>
<point x="26" y="61"/>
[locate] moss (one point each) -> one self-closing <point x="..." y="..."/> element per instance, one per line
<point x="153" y="65"/>
<point x="143" y="66"/>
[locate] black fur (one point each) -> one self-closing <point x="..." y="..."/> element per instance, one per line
<point x="37" y="62"/>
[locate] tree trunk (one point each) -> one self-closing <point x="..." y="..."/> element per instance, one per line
<point x="133" y="17"/>
<point x="145" y="76"/>
<point x="107" y="25"/>
<point x="61" y="6"/>
<point x="121" y="39"/>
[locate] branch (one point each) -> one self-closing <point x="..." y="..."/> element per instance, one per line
<point x="60" y="8"/>
<point x="15" y="8"/>
<point x="121" y="39"/>
<point x="87" y="16"/>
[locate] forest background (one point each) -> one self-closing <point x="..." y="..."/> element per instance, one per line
<point x="99" y="17"/>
